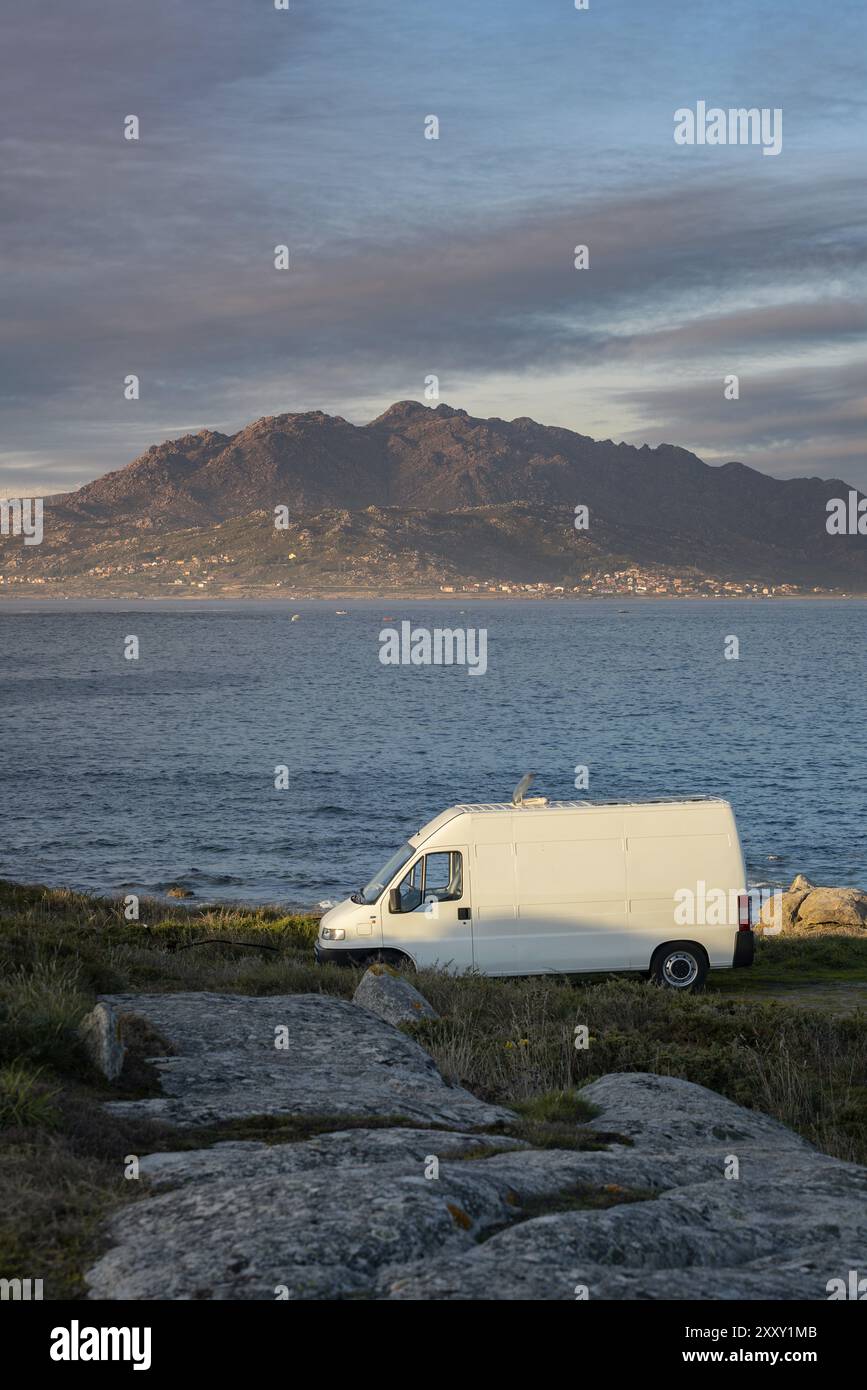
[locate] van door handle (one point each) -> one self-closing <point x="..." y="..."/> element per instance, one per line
<point x="464" y="914"/>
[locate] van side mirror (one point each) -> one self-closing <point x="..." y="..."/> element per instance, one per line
<point x="394" y="900"/>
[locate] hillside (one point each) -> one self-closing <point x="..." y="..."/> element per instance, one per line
<point x="421" y="496"/>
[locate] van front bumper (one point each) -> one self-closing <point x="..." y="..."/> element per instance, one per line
<point x="745" y="948"/>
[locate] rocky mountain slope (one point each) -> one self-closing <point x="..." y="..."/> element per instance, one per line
<point x="432" y="493"/>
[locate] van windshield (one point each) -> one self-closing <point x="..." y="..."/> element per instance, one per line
<point x="374" y="888"/>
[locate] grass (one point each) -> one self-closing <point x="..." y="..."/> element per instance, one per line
<point x="25" y="1101"/>
<point x="558" y="1120"/>
<point x="818" y="957"/>
<point x="56" y="928"/>
<point x="510" y="1041"/>
<point x="513" y="1041"/>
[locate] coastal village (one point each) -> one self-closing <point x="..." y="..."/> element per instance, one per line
<point x="633" y="582"/>
<point x="213" y="573"/>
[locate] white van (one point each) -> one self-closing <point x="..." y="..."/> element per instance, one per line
<point x="570" y="887"/>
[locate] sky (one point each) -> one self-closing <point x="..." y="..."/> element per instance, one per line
<point x="411" y="257"/>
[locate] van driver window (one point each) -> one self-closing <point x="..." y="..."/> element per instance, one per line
<point x="438" y="876"/>
<point x="443" y="875"/>
<point x="410" y="887"/>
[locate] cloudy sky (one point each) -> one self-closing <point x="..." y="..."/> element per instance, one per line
<point x="411" y="257"/>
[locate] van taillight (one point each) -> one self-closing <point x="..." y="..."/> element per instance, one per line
<point x="744" y="912"/>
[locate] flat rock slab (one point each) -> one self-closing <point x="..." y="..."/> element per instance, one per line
<point x="318" y="1219"/>
<point x="366" y="1213"/>
<point x="791" y="1221"/>
<point x="339" y="1060"/>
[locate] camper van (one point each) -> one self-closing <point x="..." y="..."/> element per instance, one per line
<point x="573" y="887"/>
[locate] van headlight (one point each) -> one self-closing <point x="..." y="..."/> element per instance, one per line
<point x="333" y="934"/>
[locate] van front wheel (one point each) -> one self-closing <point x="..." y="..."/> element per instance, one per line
<point x="679" y="965"/>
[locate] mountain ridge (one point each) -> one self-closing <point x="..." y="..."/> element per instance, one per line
<point x="421" y="463"/>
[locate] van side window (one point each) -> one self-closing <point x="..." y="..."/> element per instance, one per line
<point x="443" y="875"/>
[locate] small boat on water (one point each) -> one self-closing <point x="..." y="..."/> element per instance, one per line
<point x="295" y="617"/>
<point x="340" y="612"/>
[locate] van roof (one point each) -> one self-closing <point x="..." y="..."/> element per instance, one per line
<point x="508" y="807"/>
<point x="476" y="807"/>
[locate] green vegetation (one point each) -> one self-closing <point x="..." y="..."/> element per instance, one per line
<point x="510" y="1041"/>
<point x="818" y="957"/>
<point x="61" y="1154"/>
<point x="578" y="1197"/>
<point x="514" y="1040"/>
<point x="558" y="1120"/>
<point x="25" y="1102"/>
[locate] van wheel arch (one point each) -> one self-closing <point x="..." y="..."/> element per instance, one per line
<point x="398" y="960"/>
<point x="680" y="965"/>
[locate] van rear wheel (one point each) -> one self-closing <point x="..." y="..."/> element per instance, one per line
<point x="679" y="965"/>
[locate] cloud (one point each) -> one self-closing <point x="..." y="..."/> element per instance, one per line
<point x="806" y="420"/>
<point x="411" y="257"/>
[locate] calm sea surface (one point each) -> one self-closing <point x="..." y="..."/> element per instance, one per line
<point x="137" y="775"/>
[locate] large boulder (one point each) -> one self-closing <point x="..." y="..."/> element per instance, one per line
<point x="832" y="907"/>
<point x="391" y="996"/>
<point x="780" y="913"/>
<point x="805" y="908"/>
